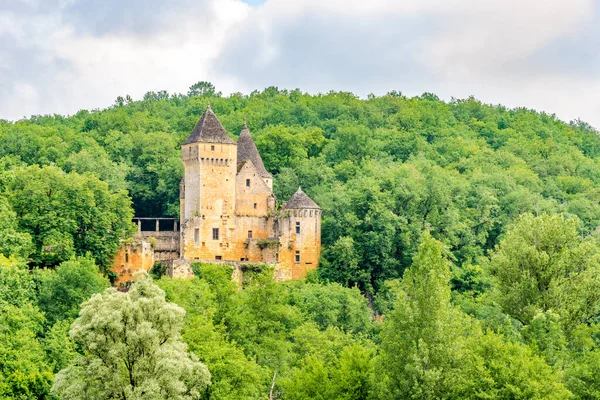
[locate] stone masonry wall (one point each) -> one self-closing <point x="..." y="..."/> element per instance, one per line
<point x="132" y="257"/>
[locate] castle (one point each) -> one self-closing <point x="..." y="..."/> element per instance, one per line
<point x="228" y="213"/>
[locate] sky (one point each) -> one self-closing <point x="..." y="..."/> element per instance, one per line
<point x="61" y="56"/>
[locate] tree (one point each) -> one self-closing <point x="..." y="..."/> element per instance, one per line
<point x="61" y="291"/>
<point x="261" y="318"/>
<point x="582" y="376"/>
<point x="280" y="148"/>
<point x="68" y="215"/>
<point x="512" y="371"/>
<point x="341" y="263"/>
<point x="12" y="241"/>
<point x="24" y="371"/>
<point x="234" y="375"/>
<point x="424" y="348"/>
<point x="543" y="264"/>
<point x="132" y="349"/>
<point x="330" y="364"/>
<point x="16" y="285"/>
<point x="202" y="88"/>
<point x="332" y="305"/>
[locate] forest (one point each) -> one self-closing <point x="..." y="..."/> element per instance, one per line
<point x="461" y="254"/>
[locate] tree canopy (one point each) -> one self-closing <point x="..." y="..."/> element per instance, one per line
<point x="460" y="254"/>
<point x="132" y="349"/>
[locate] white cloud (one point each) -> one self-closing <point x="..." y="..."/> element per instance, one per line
<point x="457" y="48"/>
<point x="95" y="69"/>
<point x="71" y="54"/>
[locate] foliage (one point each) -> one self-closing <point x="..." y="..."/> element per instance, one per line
<point x="460" y="252"/>
<point x="12" y="241"/>
<point x="68" y="215"/>
<point x="544" y="264"/>
<point x="132" y="349"/>
<point x="24" y="370"/>
<point x="62" y="290"/>
<point x="424" y="348"/>
<point x="332" y="305"/>
<point x="430" y="350"/>
<point x="510" y="370"/>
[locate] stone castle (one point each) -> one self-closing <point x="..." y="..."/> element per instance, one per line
<point x="228" y="214"/>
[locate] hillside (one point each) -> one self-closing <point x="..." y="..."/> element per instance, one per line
<point x="461" y="256"/>
<point x="383" y="169"/>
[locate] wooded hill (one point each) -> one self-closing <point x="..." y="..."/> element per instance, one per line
<point x="472" y="228"/>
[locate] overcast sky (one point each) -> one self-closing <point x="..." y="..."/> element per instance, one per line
<point x="60" y="56"/>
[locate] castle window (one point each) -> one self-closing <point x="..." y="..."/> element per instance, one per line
<point x="197" y="235"/>
<point x="248" y="182"/>
<point x="126" y="257"/>
<point x="297" y="226"/>
<point x="249" y="234"/>
<point x="218" y="257"/>
<point x="212" y="148"/>
<point x="297" y="256"/>
<point x="255" y="206"/>
<point x="215" y="233"/>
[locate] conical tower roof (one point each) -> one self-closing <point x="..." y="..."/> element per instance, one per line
<point x="300" y="200"/>
<point x="246" y="150"/>
<point x="209" y="129"/>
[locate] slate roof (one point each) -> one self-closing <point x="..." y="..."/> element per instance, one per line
<point x="300" y="200"/>
<point x="246" y="150"/>
<point x="209" y="129"/>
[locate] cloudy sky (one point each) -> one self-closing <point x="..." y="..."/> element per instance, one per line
<point x="60" y="56"/>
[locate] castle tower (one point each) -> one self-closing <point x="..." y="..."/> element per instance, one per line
<point x="208" y="190"/>
<point x="300" y="233"/>
<point x="247" y="150"/>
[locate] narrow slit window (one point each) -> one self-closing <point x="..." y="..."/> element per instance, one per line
<point x="215" y="233"/>
<point x="298" y="227"/>
<point x="212" y="148"/>
<point x="248" y="182"/>
<point x="126" y="257"/>
<point x="255" y="206"/>
<point x="249" y="234"/>
<point x="297" y="256"/>
<point x="197" y="235"/>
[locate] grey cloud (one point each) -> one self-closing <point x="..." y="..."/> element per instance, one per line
<point x="576" y="55"/>
<point x="319" y="54"/>
<point x="30" y="6"/>
<point x="20" y="62"/>
<point x="100" y="17"/>
<point x="139" y="17"/>
<point x="316" y="50"/>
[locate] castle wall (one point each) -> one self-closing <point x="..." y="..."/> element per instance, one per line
<point x="253" y="196"/>
<point x="165" y="244"/>
<point x="132" y="257"/>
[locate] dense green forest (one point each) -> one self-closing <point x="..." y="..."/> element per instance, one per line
<point x="461" y="254"/>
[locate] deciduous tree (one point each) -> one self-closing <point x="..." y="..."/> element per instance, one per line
<point x="132" y="349"/>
